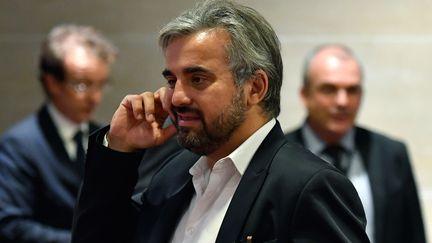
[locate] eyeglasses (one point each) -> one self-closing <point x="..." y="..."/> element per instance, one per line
<point x="82" y="87"/>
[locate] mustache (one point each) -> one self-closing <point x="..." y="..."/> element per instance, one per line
<point x="341" y="111"/>
<point x="183" y="109"/>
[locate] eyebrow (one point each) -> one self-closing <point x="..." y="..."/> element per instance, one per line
<point x="189" y="70"/>
<point x="166" y="72"/>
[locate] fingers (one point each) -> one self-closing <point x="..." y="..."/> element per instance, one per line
<point x="139" y="122"/>
<point x="169" y="132"/>
<point x="149" y="103"/>
<point x="133" y="103"/>
<point x="142" y="106"/>
<point x="164" y="134"/>
<point x="153" y="107"/>
<point x="164" y="94"/>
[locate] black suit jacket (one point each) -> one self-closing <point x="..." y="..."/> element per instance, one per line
<point x="38" y="182"/>
<point x="152" y="159"/>
<point x="397" y="210"/>
<point x="285" y="195"/>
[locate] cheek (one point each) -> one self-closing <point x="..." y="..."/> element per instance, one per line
<point x="355" y="103"/>
<point x="320" y="104"/>
<point x="76" y="99"/>
<point x="77" y="103"/>
<point x="325" y="100"/>
<point x="210" y="111"/>
<point x="215" y="103"/>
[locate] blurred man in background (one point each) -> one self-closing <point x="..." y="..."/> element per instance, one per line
<point x="378" y="166"/>
<point x="41" y="157"/>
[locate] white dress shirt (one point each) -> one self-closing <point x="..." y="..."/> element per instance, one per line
<point x="67" y="130"/>
<point x="214" y="189"/>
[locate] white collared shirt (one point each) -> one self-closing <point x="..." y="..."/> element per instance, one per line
<point x="214" y="189"/>
<point x="67" y="130"/>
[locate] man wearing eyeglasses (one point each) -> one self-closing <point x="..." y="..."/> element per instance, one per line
<point x="41" y="158"/>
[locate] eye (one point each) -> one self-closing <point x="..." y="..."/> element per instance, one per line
<point x="328" y="89"/>
<point x="354" y="90"/>
<point x="197" y="80"/>
<point x="81" y="87"/>
<point x="171" y="82"/>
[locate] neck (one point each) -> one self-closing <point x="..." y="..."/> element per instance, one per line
<point x="327" y="137"/>
<point x="242" y="133"/>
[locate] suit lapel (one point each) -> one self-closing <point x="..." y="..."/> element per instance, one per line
<point x="296" y="136"/>
<point x="51" y="134"/>
<point x="170" y="213"/>
<point x="371" y="158"/>
<point x="169" y="194"/>
<point x="171" y="178"/>
<point x="249" y="187"/>
<point x="93" y="127"/>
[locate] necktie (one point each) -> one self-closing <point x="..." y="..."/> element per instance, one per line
<point x="335" y="152"/>
<point x="80" y="153"/>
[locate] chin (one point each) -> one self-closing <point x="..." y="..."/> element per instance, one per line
<point x="83" y="118"/>
<point x="341" y="130"/>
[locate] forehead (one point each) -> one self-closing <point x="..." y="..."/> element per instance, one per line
<point x="330" y="67"/>
<point x="79" y="61"/>
<point x="206" y="46"/>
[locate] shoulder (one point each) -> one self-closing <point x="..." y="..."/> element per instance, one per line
<point x="24" y="130"/>
<point x="293" y="135"/>
<point x="295" y="153"/>
<point x="94" y="126"/>
<point x="300" y="177"/>
<point x="378" y="139"/>
<point x="295" y="163"/>
<point x="19" y="144"/>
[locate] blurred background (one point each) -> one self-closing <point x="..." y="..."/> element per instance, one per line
<point x="392" y="38"/>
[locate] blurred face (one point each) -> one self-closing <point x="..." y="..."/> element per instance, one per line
<point x="207" y="106"/>
<point x="81" y="91"/>
<point x="333" y="95"/>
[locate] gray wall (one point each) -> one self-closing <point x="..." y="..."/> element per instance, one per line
<point x="393" y="38"/>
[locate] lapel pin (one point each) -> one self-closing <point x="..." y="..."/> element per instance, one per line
<point x="249" y="239"/>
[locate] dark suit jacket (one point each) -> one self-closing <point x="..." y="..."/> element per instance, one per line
<point x="152" y="159"/>
<point x="285" y="195"/>
<point x="397" y="211"/>
<point x="38" y="182"/>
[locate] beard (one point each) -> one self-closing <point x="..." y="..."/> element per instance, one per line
<point x="209" y="137"/>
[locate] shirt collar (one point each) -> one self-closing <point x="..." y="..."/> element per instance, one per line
<point x="316" y="145"/>
<point x="242" y="155"/>
<point x="66" y="127"/>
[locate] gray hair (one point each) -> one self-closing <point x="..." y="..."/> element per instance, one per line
<point x="61" y="38"/>
<point x="346" y="53"/>
<point x="254" y="44"/>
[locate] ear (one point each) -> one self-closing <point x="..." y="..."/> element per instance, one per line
<point x="257" y="87"/>
<point x="304" y="93"/>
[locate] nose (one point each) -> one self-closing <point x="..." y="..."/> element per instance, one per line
<point x="180" y="95"/>
<point x="95" y="96"/>
<point x="341" y="97"/>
